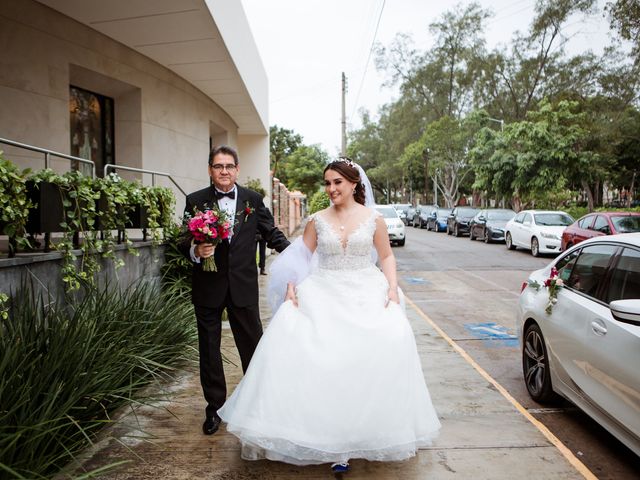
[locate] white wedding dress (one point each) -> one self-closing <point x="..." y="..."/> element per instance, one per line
<point x="339" y="376"/>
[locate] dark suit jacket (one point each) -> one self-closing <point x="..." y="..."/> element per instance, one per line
<point x="235" y="260"/>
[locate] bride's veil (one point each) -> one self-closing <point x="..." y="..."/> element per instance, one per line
<point x="296" y="261"/>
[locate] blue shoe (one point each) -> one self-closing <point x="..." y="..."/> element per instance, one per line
<point x="340" y="467"/>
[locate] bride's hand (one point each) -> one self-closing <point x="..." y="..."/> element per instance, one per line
<point x="291" y="294"/>
<point x="393" y="296"/>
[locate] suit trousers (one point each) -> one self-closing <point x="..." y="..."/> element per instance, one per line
<point x="246" y="328"/>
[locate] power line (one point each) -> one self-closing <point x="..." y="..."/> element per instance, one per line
<point x="364" y="74"/>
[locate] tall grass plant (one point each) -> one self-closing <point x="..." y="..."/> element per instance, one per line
<point x="64" y="369"/>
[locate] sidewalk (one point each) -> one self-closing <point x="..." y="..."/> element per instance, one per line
<point x="483" y="436"/>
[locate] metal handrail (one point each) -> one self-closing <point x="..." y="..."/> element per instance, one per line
<point x="153" y="174"/>
<point x="48" y="153"/>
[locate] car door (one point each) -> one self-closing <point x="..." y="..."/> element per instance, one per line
<point x="613" y="348"/>
<point x="600" y="227"/>
<point x="575" y="325"/>
<point x="515" y="226"/>
<point x="583" y="230"/>
<point x="523" y="231"/>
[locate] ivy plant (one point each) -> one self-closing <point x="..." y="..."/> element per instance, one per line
<point x="14" y="204"/>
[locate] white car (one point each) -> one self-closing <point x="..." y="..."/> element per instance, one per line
<point x="395" y="226"/>
<point x="537" y="230"/>
<point x="585" y="343"/>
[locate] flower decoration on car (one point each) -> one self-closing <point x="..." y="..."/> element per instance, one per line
<point x="553" y="284"/>
<point x="248" y="210"/>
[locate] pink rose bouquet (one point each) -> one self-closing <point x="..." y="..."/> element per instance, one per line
<point x="210" y="226"/>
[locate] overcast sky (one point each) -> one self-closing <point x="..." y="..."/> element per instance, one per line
<point x="305" y="45"/>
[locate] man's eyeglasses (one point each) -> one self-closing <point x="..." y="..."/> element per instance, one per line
<point x="218" y="167"/>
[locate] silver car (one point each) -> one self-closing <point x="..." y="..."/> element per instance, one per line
<point x="579" y="330"/>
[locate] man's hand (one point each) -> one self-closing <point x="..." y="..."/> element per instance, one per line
<point x="291" y="294"/>
<point x="204" y="250"/>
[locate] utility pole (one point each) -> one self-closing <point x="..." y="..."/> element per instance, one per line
<point x="344" y="117"/>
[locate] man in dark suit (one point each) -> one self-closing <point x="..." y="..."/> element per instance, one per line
<point x="235" y="284"/>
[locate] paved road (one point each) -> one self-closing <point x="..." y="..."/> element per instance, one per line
<point x="471" y="289"/>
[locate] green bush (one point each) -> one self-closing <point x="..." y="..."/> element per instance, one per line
<point x="319" y="201"/>
<point x="65" y="369"/>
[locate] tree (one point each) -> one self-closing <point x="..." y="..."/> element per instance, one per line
<point x="513" y="82"/>
<point x="282" y="143"/>
<point x="304" y="169"/>
<point x="625" y="18"/>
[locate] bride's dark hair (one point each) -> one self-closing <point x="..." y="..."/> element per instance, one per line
<point x="345" y="167"/>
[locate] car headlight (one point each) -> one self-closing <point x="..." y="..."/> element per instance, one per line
<point x="552" y="236"/>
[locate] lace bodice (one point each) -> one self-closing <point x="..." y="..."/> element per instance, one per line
<point x="356" y="254"/>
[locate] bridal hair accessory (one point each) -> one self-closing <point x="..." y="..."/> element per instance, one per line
<point x="348" y="161"/>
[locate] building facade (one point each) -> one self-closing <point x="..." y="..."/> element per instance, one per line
<point x="150" y="84"/>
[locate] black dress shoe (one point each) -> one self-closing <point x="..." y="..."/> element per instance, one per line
<point x="262" y="271"/>
<point x="211" y="425"/>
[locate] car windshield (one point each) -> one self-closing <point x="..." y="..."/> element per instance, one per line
<point x="500" y="215"/>
<point x="467" y="212"/>
<point x="626" y="224"/>
<point x="443" y="212"/>
<point x="553" y="219"/>
<point x="387" y="212"/>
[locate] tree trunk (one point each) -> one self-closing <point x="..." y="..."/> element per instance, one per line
<point x="425" y="158"/>
<point x="590" y="198"/>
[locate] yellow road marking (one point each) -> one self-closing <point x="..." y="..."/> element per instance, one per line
<point x="568" y="454"/>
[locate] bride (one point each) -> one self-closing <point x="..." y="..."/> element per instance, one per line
<point x="336" y="375"/>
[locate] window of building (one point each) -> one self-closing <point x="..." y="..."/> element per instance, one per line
<point x="91" y="128"/>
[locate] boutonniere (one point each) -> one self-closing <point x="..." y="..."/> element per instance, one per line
<point x="248" y="210"/>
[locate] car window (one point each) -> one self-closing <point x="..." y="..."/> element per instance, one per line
<point x="625" y="279"/>
<point x="601" y="225"/>
<point x="518" y="218"/>
<point x="553" y="219"/>
<point x="499" y="215"/>
<point x="565" y="265"/>
<point x="586" y="222"/>
<point x="590" y="268"/>
<point x="626" y="224"/>
<point x="527" y="218"/>
<point x="388" y="212"/>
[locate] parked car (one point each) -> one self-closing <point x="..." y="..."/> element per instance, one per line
<point x="437" y="221"/>
<point x="598" y="224"/>
<point x="410" y="212"/>
<point x="586" y="347"/>
<point x="401" y="208"/>
<point x="488" y="224"/>
<point x="423" y="212"/>
<point x="537" y="230"/>
<point x="458" y="220"/>
<point x="395" y="226"/>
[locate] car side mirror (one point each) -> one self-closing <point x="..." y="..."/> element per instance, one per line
<point x="627" y="311"/>
<point x="605" y="230"/>
<point x="481" y="218"/>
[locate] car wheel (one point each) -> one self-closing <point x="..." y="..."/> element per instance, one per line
<point x="509" y="242"/>
<point x="535" y="247"/>
<point x="535" y="365"/>
<point x="456" y="232"/>
<point x="401" y="242"/>
<point x="421" y="225"/>
<point x="487" y="236"/>
<point x="471" y="237"/>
